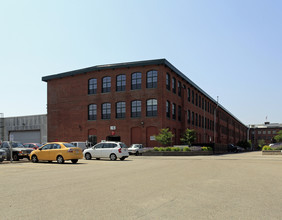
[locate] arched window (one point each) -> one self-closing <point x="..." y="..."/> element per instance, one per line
<point x="92" y="86"/>
<point x="120" y="110"/>
<point x="106" y="111"/>
<point x="92" y="112"/>
<point x="173" y="110"/>
<point x="121" y="82"/>
<point x="173" y="85"/>
<point x="179" y="113"/>
<point x="179" y="88"/>
<point x="188" y="116"/>
<point x="152" y="79"/>
<point x="167" y="81"/>
<point x="136" y="109"/>
<point x="152" y="107"/>
<point x="106" y="84"/>
<point x="136" y="79"/>
<point x="168" y="109"/>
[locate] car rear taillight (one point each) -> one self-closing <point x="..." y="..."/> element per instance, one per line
<point x="119" y="150"/>
<point x="70" y="150"/>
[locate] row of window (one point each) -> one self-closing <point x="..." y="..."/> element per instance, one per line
<point x="120" y="109"/>
<point x="136" y="81"/>
<point x="264" y="132"/>
<point x="192" y="117"/>
<point x="192" y="96"/>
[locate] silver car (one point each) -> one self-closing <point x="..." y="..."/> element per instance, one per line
<point x="136" y="149"/>
<point x="2" y="155"/>
<point x="107" y="149"/>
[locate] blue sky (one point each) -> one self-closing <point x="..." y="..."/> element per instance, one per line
<point x="231" y="49"/>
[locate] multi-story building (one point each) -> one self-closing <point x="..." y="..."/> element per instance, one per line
<point x="133" y="101"/>
<point x="265" y="132"/>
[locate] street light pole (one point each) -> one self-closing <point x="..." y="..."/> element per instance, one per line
<point x="214" y="127"/>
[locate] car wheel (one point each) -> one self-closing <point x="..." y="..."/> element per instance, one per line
<point x="122" y="158"/>
<point x="49" y="161"/>
<point x="113" y="157"/>
<point x="74" y="160"/>
<point x="97" y="158"/>
<point x="15" y="157"/>
<point x="1" y="160"/>
<point x="60" y="159"/>
<point x="34" y="158"/>
<point x="137" y="153"/>
<point x="88" y="156"/>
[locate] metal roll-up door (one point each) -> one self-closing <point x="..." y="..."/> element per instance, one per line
<point x="26" y="136"/>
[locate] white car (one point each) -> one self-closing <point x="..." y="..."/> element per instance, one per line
<point x="107" y="149"/>
<point x="136" y="149"/>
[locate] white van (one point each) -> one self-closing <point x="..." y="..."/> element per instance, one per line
<point x="81" y="145"/>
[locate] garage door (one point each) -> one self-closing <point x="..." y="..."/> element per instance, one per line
<point x="26" y="136"/>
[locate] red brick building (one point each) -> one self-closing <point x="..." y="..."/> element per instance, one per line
<point x="134" y="101"/>
<point x="265" y="132"/>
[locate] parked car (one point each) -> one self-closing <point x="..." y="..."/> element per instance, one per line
<point x="57" y="151"/>
<point x="2" y="155"/>
<point x="231" y="148"/>
<point x="18" y="150"/>
<point x="136" y="149"/>
<point x="275" y="145"/>
<point x="240" y="149"/>
<point x="34" y="146"/>
<point x="107" y="149"/>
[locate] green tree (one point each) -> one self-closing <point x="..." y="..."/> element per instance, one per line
<point x="278" y="137"/>
<point x="164" y="137"/>
<point x="188" y="137"/>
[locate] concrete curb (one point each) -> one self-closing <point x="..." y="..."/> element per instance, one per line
<point x="177" y="153"/>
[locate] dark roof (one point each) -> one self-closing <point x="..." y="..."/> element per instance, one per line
<point x="133" y="64"/>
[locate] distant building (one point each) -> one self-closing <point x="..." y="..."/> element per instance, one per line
<point x="26" y="129"/>
<point x="132" y="102"/>
<point x="265" y="132"/>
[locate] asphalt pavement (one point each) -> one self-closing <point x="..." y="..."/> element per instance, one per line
<point x="230" y="186"/>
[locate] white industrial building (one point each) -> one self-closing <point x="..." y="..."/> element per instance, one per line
<point x="26" y="129"/>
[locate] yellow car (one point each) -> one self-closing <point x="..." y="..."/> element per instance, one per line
<point x="59" y="151"/>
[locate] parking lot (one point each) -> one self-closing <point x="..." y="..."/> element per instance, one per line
<point x="231" y="186"/>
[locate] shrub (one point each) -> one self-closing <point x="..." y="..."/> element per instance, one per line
<point x="186" y="149"/>
<point x="175" y="149"/>
<point x="266" y="147"/>
<point x="206" y="148"/>
<point x="168" y="149"/>
<point x="161" y="149"/>
<point x="156" y="149"/>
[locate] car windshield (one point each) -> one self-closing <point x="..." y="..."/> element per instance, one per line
<point x="68" y="145"/>
<point x="15" y="145"/>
